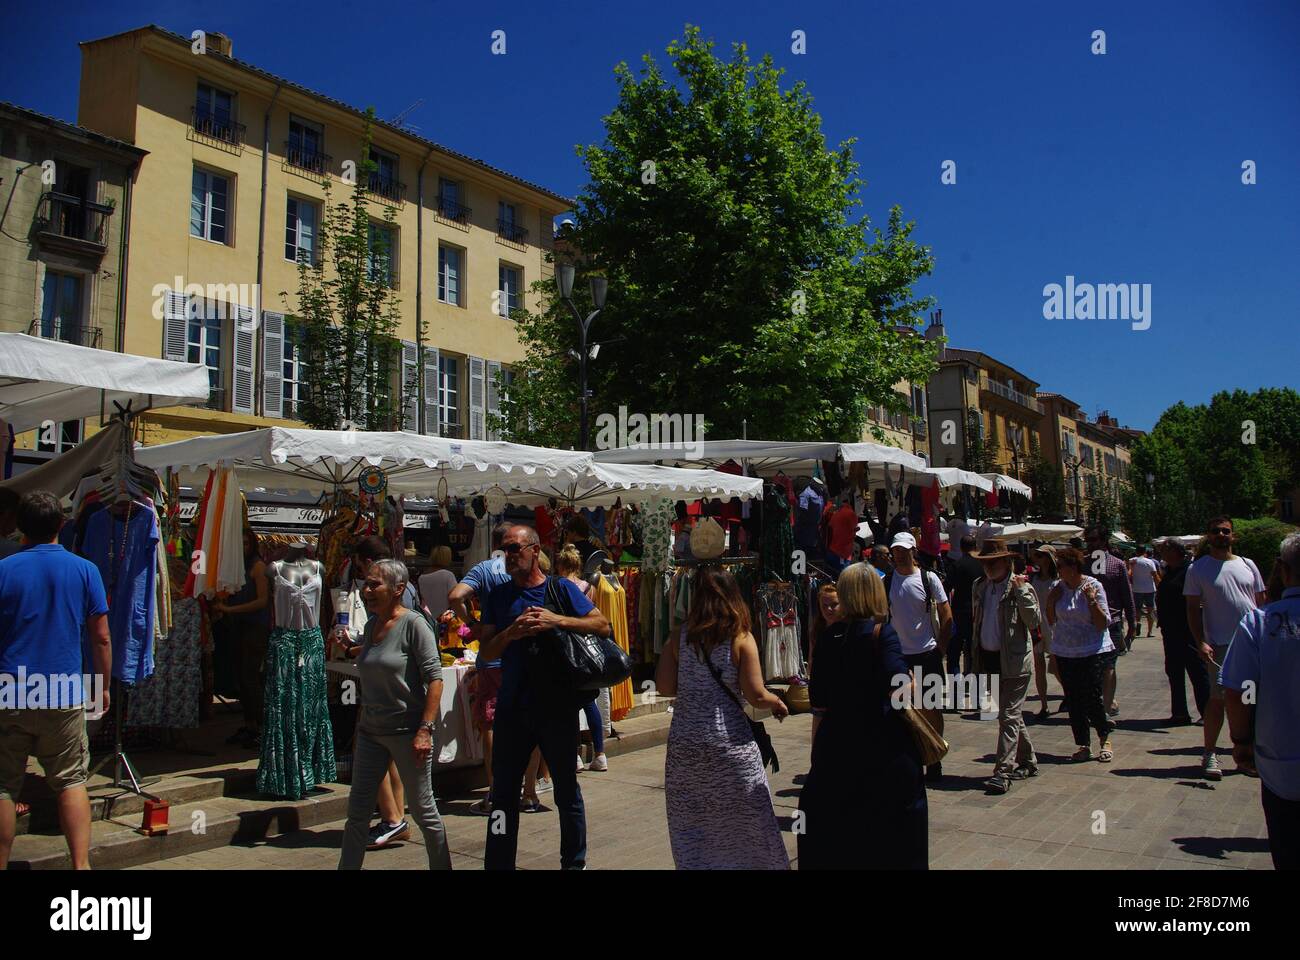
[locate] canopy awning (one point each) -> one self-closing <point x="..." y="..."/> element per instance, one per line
<point x="44" y="380"/>
<point x="1022" y="532"/>
<point x="880" y="453"/>
<point x="765" y="457"/>
<point x="1010" y="484"/>
<point x="278" y="458"/>
<point x="956" y="477"/>
<point x="603" y="484"/>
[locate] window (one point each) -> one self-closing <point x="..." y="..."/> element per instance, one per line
<point x="449" y="197"/>
<point x="508" y="225"/>
<point x="993" y="428"/>
<point x="209" y="203"/>
<point x="293" y="388"/>
<point x="449" y="275"/>
<point x="383" y="254"/>
<point x="449" y="397"/>
<point x="214" y="113"/>
<point x="61" y="307"/>
<point x="306" y="147"/>
<point x="1110" y="464"/>
<point x="508" y="285"/>
<point x="383" y="181"/>
<point x="203" y="345"/>
<point x="918" y="402"/>
<point x="1085" y="454"/>
<point x="300" y="230"/>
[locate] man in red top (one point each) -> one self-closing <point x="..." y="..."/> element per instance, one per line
<point x="843" y="531"/>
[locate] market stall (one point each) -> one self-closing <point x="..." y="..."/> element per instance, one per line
<point x="1004" y="484"/>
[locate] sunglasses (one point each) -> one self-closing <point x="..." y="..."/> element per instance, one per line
<point x="1222" y="531"/>
<point x="513" y="548"/>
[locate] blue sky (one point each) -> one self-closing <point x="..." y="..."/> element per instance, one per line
<point x="1121" y="168"/>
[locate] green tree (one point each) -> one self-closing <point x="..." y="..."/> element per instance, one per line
<point x="1045" y="479"/>
<point x="348" y="312"/>
<point x="739" y="286"/>
<point x="978" y="457"/>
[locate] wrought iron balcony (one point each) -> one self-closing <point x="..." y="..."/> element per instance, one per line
<point x="60" y="216"/>
<point x="305" y="158"/>
<point x="387" y="187"/>
<point x="450" y="209"/>
<point x="66" y="331"/>
<point x="1010" y="394"/>
<point x="509" y="230"/>
<point x="918" y="428"/>
<point x="215" y="126"/>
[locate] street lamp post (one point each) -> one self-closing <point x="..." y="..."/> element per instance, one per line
<point x="1072" y="464"/>
<point x="564" y="280"/>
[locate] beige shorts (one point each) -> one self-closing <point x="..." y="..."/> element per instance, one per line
<point x="56" y="738"/>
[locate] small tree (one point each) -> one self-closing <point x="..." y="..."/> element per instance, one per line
<point x="348" y="312"/>
<point x="1046" y="481"/>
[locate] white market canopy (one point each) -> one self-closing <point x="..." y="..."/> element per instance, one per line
<point x="880" y="453"/>
<point x="603" y="484"/>
<point x="278" y="458"/>
<point x="956" y="477"/>
<point x="1010" y="484"/>
<point x="765" y="457"/>
<point x="1022" y="532"/>
<point x="50" y="380"/>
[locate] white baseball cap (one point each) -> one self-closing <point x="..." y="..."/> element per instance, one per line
<point x="904" y="540"/>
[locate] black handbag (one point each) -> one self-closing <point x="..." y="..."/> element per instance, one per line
<point x="582" y="661"/>
<point x="765" y="749"/>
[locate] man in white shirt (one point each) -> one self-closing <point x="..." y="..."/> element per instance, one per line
<point x="913" y="603"/>
<point x="1221" y="588"/>
<point x="1145" y="576"/>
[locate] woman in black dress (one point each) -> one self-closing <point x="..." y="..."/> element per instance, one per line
<point x="863" y="805"/>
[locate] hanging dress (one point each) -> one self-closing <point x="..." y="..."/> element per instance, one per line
<point x="611" y="600"/>
<point x="297" y="739"/>
<point x="170" y="698"/>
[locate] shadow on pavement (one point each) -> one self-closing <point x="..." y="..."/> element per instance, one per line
<point x="1216" y="847"/>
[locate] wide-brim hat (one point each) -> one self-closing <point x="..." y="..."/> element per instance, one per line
<point x="995" y="548"/>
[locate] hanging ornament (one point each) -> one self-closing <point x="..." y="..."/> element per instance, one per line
<point x="373" y="481"/>
<point x="442" y="497"/>
<point x="495" y="499"/>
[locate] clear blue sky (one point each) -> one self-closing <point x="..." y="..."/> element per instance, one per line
<point x="1122" y="168"/>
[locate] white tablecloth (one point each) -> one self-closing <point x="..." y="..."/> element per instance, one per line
<point x="459" y="743"/>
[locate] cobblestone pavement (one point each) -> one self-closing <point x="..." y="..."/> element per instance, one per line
<point x="1158" y="811"/>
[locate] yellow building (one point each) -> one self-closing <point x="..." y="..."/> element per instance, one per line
<point x="1093" y="457"/>
<point x="230" y="196"/>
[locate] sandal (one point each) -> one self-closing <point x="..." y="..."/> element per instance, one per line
<point x="529" y="806"/>
<point x="1107" y="754"/>
<point x="21" y="808"/>
<point x="482" y="807"/>
<point x="1083" y="753"/>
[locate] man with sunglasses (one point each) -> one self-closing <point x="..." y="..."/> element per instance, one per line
<point x="532" y="709"/>
<point x="1220" y="589"/>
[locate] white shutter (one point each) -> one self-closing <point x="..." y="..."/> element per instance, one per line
<point x="430" y="397"/>
<point x="273" y="334"/>
<point x="410" y="387"/>
<point x="493" y="396"/>
<point x="174" y="325"/>
<point x="242" y="401"/>
<point x="477" y="400"/>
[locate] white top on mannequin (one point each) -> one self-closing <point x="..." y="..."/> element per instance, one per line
<point x="296" y="587"/>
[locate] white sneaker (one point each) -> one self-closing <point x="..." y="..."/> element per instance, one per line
<point x="581" y="765"/>
<point x="544" y="784"/>
<point x="599" y="764"/>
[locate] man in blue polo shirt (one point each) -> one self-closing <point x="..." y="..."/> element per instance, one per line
<point x="1262" y="668"/>
<point x="49" y="600"/>
<point x="532" y="711"/>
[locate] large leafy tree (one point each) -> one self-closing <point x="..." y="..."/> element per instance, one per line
<point x="740" y="286"/>
<point x="348" y="312"/>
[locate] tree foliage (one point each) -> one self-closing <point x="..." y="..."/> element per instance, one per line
<point x="348" y="313"/>
<point x="739" y="286"/>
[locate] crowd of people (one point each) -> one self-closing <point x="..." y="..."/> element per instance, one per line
<point x="887" y="624"/>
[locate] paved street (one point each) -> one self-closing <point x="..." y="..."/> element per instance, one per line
<point x="1158" y="812"/>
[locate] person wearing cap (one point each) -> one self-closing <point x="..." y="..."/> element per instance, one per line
<point x="1004" y="616"/>
<point x="916" y="600"/>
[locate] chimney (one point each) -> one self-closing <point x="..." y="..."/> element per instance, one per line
<point x="935" y="330"/>
<point x="219" y="43"/>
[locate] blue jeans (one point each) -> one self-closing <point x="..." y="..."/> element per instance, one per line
<point x="596" y="725"/>
<point x="515" y="732"/>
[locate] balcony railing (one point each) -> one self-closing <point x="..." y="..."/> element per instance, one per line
<point x="453" y="210"/>
<point x="63" y="215"/>
<point x="509" y="230"/>
<point x="305" y="158"/>
<point x="1010" y="394"/>
<point x="217" y="127"/>
<point x="918" y="428"/>
<point x="387" y="187"/>
<point x="66" y="331"/>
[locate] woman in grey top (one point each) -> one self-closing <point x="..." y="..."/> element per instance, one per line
<point x="401" y="687"/>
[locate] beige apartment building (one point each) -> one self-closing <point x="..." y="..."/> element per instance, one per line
<point x="1093" y="457"/>
<point x="230" y="197"/>
<point x="62" y="240"/>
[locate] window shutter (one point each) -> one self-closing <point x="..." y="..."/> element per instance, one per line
<point x="243" y="378"/>
<point x="273" y="334"/>
<point x="477" y="401"/>
<point x="174" y="325"/>
<point x="430" y="398"/>
<point x="410" y="387"/>
<point x="493" y="396"/>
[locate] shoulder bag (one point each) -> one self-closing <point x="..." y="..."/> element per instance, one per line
<point x="583" y="661"/>
<point x="930" y="747"/>
<point x="765" y="749"/>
